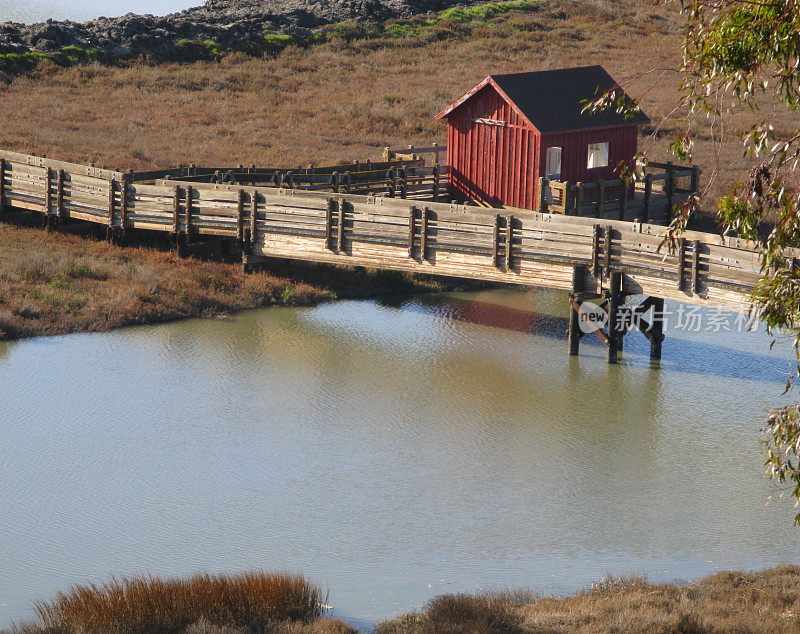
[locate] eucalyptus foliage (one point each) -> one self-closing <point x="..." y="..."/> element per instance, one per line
<point x="735" y="53"/>
<point x="738" y="54"/>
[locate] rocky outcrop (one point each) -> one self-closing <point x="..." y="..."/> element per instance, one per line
<point x="229" y="24"/>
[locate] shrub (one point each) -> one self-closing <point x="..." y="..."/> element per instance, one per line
<point x="71" y="55"/>
<point x="147" y="604"/>
<point x="456" y="613"/>
<point x="276" y="42"/>
<point x="194" y="51"/>
<point x="19" y="63"/>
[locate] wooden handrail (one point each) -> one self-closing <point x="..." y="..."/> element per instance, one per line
<point x="460" y="240"/>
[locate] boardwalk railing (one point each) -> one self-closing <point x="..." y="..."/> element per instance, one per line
<point x="649" y="198"/>
<point x="521" y="247"/>
<point x="400" y="178"/>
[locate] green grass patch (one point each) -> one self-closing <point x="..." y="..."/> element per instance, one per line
<point x="20" y="63"/>
<point x="482" y="12"/>
<point x="195" y="51"/>
<point x="462" y="19"/>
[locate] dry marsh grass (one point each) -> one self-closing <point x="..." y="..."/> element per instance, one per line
<point x="344" y="99"/>
<point x="60" y="283"/>
<point x="767" y="601"/>
<point x="250" y="602"/>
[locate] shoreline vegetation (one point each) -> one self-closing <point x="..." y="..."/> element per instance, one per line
<point x="765" y="601"/>
<point x="63" y="282"/>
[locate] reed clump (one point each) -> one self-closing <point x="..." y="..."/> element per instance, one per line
<point x="249" y="602"/>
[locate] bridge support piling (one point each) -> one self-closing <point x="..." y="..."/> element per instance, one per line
<point x="657" y="329"/>
<point x="614" y="302"/>
<point x="180" y="244"/>
<point x="574" y="333"/>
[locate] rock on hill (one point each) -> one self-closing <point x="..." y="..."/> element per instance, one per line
<point x="230" y="24"/>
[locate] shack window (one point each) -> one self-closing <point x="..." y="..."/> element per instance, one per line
<point x="598" y="155"/>
<point x="553" y="167"/>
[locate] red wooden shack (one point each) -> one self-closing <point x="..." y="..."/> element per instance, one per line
<point x="510" y="130"/>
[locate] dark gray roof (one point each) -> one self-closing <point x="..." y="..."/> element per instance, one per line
<point x="552" y="99"/>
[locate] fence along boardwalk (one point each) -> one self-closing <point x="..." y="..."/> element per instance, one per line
<point x="511" y="246"/>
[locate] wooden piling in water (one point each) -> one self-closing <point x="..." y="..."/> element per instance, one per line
<point x="657" y="329"/>
<point x="614" y="303"/>
<point x="574" y="333"/>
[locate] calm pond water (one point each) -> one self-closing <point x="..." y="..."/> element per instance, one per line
<point x="392" y="452"/>
<point x="39" y="10"/>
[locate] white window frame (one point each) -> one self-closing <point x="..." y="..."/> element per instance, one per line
<point x="597" y="155"/>
<point x="548" y="172"/>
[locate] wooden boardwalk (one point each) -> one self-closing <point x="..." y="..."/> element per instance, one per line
<point x="511" y="246"/>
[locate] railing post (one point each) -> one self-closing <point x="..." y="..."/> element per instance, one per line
<point x="253" y="218"/>
<point x="509" y="241"/>
<point x="696" y="267"/>
<point x="112" y="187"/>
<point x="329" y="223"/>
<point x="579" y="198"/>
<point x="496" y="242"/>
<point x="681" y="263"/>
<point x="601" y="194"/>
<point x="412" y="212"/>
<point x="340" y="228"/>
<point x="123" y="200"/>
<point x="48" y="192"/>
<point x="436" y="182"/>
<point x="670" y="187"/>
<point x="564" y="198"/>
<point x="623" y="199"/>
<point x="404" y="182"/>
<point x="542" y="195"/>
<point x="240" y="216"/>
<point x="695" y="186"/>
<point x="176" y="210"/>
<point x="2" y="184"/>
<point x="423" y="237"/>
<point x="648" y="194"/>
<point x="188" y="210"/>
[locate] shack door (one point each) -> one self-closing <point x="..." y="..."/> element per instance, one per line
<point x="490" y="164"/>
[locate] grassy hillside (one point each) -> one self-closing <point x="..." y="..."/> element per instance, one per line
<point x="356" y="88"/>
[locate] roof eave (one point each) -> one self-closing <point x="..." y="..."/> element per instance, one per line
<point x="489" y="81"/>
<point x="511" y="103"/>
<point x="609" y="126"/>
<point x="466" y="96"/>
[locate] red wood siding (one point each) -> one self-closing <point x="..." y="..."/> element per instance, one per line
<point x="495" y="160"/>
<point x="622" y="144"/>
<point x="499" y="161"/>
